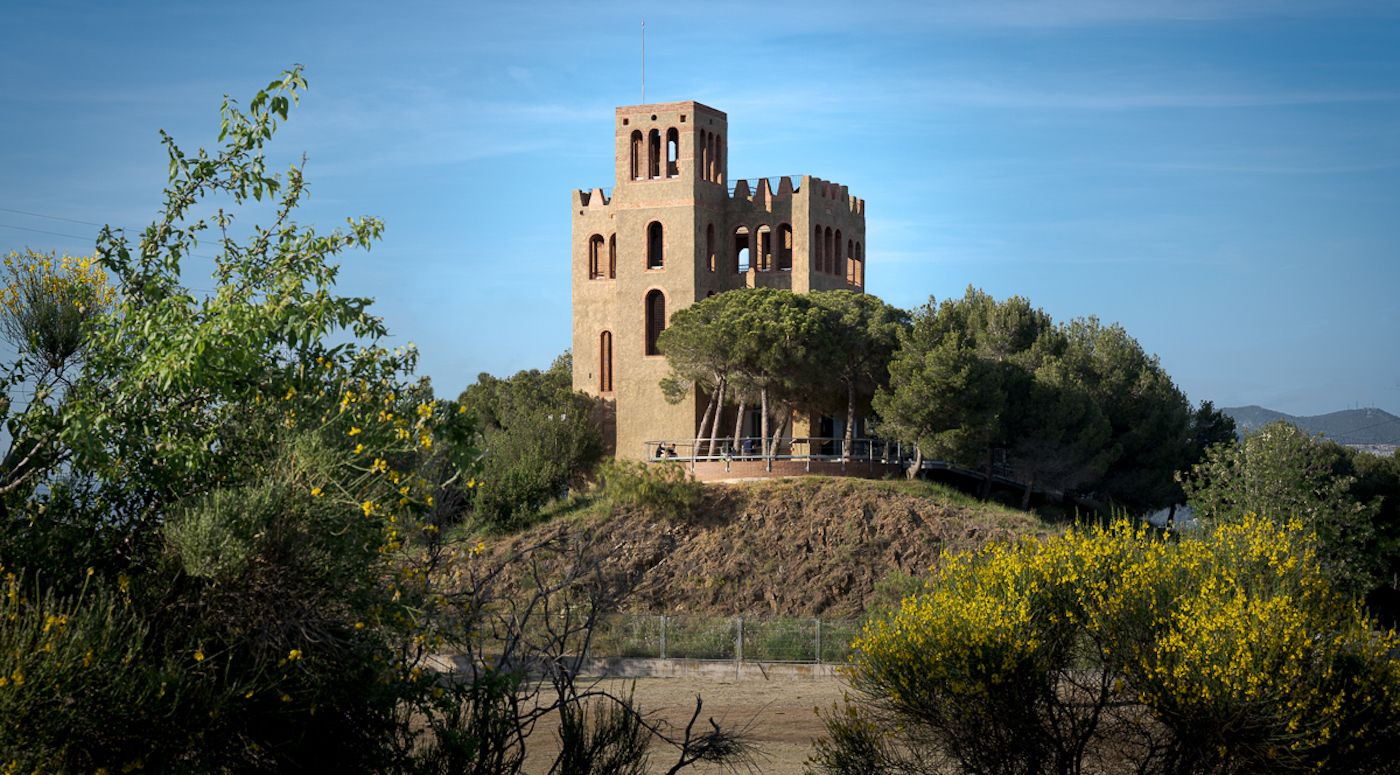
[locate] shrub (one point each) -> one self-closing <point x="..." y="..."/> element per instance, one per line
<point x="1225" y="653"/>
<point x="661" y="489"/>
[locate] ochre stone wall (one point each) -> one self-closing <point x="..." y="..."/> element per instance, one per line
<point x="688" y="197"/>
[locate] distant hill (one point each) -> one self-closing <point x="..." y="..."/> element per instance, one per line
<point x="1352" y="426"/>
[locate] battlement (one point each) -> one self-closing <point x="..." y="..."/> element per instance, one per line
<point x="595" y="197"/>
<point x="757" y="191"/>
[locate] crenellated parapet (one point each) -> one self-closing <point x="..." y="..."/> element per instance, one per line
<point x="585" y="199"/>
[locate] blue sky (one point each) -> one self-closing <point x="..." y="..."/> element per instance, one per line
<point x="1223" y="178"/>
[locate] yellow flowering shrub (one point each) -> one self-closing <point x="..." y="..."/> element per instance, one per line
<point x="1222" y="652"/>
<point x="46" y="300"/>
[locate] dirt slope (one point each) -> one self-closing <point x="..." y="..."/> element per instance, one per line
<point x="796" y="547"/>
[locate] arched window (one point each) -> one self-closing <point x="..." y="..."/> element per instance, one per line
<point x="655" y="246"/>
<point x="605" y="363"/>
<point x="741" y="249"/>
<point x="656" y="320"/>
<point x="784" y="247"/>
<point x="860" y="265"/>
<point x="673" y="152"/>
<point x="612" y="257"/>
<point x="828" y="253"/>
<point x="710" y="158"/>
<point x="817" y="259"/>
<point x="710" y="259"/>
<point x="595" y="253"/>
<point x="637" y="151"/>
<point x="704" y="155"/>
<point x="837" y="265"/>
<point x="764" y="259"/>
<point x="851" y="262"/>
<point x="719" y="160"/>
<point x="654" y="154"/>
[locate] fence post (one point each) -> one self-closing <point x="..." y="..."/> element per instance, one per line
<point x="663" y="636"/>
<point x="819" y="640"/>
<point x="738" y="643"/>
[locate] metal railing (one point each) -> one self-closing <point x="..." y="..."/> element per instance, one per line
<point x="774" y="182"/>
<point x="800" y="448"/>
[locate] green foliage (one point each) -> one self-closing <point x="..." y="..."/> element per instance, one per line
<point x="1281" y="472"/>
<point x="539" y="437"/>
<point x="221" y="541"/>
<point x="1077" y="406"/>
<point x="662" y="489"/>
<point x="1112" y="649"/>
<point x="80" y="688"/>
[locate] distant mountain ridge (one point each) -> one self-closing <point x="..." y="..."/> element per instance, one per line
<point x="1350" y="426"/>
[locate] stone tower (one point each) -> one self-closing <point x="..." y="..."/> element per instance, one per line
<point x="675" y="229"/>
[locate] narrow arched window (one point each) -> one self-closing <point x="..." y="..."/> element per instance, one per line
<point x="817" y="258"/>
<point x="612" y="257"/>
<point x="704" y="155"/>
<point x="710" y="247"/>
<point x="828" y="253"/>
<point x="654" y="154"/>
<point x="637" y="155"/>
<point x="719" y="159"/>
<point x="595" y="253"/>
<point x="673" y="153"/>
<point x="851" y="262"/>
<point x="741" y="249"/>
<point x="764" y="259"/>
<point x="784" y="247"/>
<point x="655" y="246"/>
<point x="860" y="265"/>
<point x="605" y="363"/>
<point x="656" y="320"/>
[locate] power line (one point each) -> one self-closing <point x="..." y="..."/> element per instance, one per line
<point x="50" y="217"/>
<point x="43" y="231"/>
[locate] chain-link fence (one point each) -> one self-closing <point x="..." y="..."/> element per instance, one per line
<point x="750" y="639"/>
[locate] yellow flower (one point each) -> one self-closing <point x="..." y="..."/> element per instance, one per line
<point x="379" y="465"/>
<point x="425" y="410"/>
<point x="354" y="431"/>
<point x="359" y="448"/>
<point x="293" y="655"/>
<point x="367" y="507"/>
<point x="291" y="391"/>
<point x="199" y="655"/>
<point x="317" y="492"/>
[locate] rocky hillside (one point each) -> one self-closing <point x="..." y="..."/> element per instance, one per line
<point x="794" y="547"/>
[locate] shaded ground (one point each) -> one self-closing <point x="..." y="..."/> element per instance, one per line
<point x="804" y="547"/>
<point x="779" y="715"/>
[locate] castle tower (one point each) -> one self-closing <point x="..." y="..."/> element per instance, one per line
<point x="675" y="229"/>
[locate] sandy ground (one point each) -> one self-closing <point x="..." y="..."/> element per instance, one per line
<point x="779" y="716"/>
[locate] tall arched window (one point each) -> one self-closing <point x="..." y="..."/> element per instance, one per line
<point x="655" y="246"/>
<point x="605" y="363"/>
<point x="860" y="265"/>
<point x="656" y="320"/>
<point x="828" y="253"/>
<point x="654" y="154"/>
<point x="741" y="249"/>
<point x="612" y="257"/>
<point x="710" y="247"/>
<point x="851" y="262"/>
<point x="784" y="247"/>
<point x="595" y="253"/>
<point x="764" y="258"/>
<point x="817" y="259"/>
<point x="638" y="150"/>
<point x="711" y="143"/>
<point x="704" y="155"/>
<point x="719" y="159"/>
<point x="673" y="152"/>
<point x="835" y="260"/>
